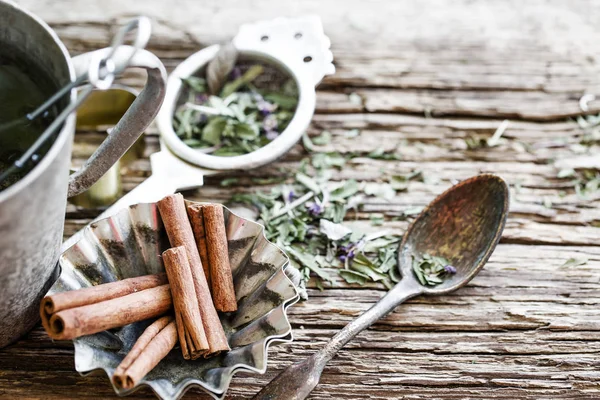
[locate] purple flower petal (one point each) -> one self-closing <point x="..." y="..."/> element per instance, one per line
<point x="272" y="135"/>
<point x="265" y="107"/>
<point x="450" y="269"/>
<point x="270" y="123"/>
<point x="314" y="209"/>
<point x="236" y="73"/>
<point x="201" y="98"/>
<point x="291" y="195"/>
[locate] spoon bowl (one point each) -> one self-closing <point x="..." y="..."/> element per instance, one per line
<point x="463" y="225"/>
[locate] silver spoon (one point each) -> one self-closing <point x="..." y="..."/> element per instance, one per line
<point x="463" y="225"/>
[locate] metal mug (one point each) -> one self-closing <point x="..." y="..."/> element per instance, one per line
<point x="32" y="210"/>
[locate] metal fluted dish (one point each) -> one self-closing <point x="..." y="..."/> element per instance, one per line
<point x="127" y="245"/>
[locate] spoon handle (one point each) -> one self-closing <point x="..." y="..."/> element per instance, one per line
<point x="404" y="290"/>
<point x="298" y="380"/>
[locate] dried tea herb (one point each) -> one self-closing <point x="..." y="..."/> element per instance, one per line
<point x="381" y="154"/>
<point x="585" y="181"/>
<point x="574" y="262"/>
<point x="475" y="142"/>
<point x="306" y="216"/>
<point x="244" y="113"/>
<point x="431" y="270"/>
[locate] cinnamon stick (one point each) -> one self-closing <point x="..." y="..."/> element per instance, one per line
<point x="95" y="294"/>
<point x="223" y="292"/>
<point x="194" y="212"/>
<point x="174" y="217"/>
<point x="151" y="347"/>
<point x="192" y="338"/>
<point x="93" y="318"/>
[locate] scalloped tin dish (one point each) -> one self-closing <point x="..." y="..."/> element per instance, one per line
<point x="128" y="244"/>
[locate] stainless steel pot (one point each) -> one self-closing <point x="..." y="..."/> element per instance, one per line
<point x="32" y="211"/>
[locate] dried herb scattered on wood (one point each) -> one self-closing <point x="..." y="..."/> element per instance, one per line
<point x="307" y="219"/>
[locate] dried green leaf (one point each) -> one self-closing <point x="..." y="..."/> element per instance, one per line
<point x="323" y="139"/>
<point x="307" y="261"/>
<point x="229" y="182"/>
<point x="381" y="190"/>
<point x="251" y="74"/>
<point x="307" y="142"/>
<point x="268" y="181"/>
<point x="328" y="160"/>
<point x="431" y="270"/>
<point x="566" y="173"/>
<point x="400" y="182"/>
<point x="347" y="189"/>
<point x="213" y="130"/>
<point x="193" y="142"/>
<point x="245" y="131"/>
<point x="354" y="277"/>
<point x="380" y="154"/>
<point x="355" y="99"/>
<point x="196" y="83"/>
<point x="333" y="231"/>
<point x="376" y="219"/>
<point x="308" y="182"/>
<point x="286" y="102"/>
<point x="574" y="262"/>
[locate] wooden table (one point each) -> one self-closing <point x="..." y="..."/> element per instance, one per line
<point x="429" y="74"/>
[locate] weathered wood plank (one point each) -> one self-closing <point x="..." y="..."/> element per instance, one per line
<point x="531" y="220"/>
<point x="538" y="106"/>
<point x="430" y="75"/>
<point x="414" y="353"/>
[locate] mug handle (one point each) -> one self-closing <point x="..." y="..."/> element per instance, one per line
<point x="135" y="120"/>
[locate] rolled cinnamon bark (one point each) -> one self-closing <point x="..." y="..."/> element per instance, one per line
<point x="194" y="212"/>
<point x="151" y="347"/>
<point x="174" y="217"/>
<point x="187" y="312"/>
<point x="95" y="294"/>
<point x="93" y="318"/>
<point x="222" y="290"/>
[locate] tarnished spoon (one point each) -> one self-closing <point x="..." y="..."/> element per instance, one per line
<point x="463" y="225"/>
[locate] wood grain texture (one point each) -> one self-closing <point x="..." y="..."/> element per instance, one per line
<point x="428" y="74"/>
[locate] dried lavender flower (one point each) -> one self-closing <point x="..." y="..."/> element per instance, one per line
<point x="291" y="196"/>
<point x="450" y="269"/>
<point x="315" y="209"/>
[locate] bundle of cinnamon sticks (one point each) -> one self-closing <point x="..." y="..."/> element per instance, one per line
<point x="198" y="283"/>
